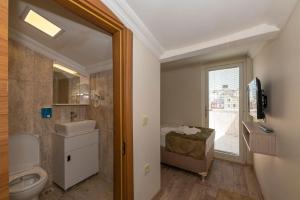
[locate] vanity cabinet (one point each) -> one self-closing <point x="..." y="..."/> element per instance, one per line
<point x="75" y="158"/>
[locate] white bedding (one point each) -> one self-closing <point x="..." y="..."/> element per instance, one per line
<point x="181" y="129"/>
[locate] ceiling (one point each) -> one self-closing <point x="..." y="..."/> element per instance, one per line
<point x="192" y="30"/>
<point x="177" y="23"/>
<point x="81" y="44"/>
<point x="177" y="29"/>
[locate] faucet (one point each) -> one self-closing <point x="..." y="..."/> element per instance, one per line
<point x="73" y="115"/>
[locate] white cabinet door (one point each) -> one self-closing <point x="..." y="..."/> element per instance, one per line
<point x="80" y="164"/>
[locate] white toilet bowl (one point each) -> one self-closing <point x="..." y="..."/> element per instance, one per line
<point x="26" y="178"/>
<point x="27" y="184"/>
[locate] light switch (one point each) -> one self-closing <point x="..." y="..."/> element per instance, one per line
<point x="147" y="168"/>
<point x="145" y="120"/>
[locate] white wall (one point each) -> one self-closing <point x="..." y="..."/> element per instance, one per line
<point x="183" y="91"/>
<point x="181" y="96"/>
<point x="146" y="140"/>
<point x="278" y="67"/>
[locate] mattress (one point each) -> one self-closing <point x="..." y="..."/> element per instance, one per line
<point x="209" y="142"/>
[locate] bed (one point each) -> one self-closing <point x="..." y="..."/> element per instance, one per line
<point x="199" y="162"/>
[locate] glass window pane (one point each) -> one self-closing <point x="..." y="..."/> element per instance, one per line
<point x="224" y="90"/>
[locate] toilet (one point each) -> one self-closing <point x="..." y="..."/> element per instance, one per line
<point x="26" y="177"/>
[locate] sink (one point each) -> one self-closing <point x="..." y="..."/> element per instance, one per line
<point x="75" y="128"/>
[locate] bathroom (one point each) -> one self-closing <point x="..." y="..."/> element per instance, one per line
<point x="60" y="89"/>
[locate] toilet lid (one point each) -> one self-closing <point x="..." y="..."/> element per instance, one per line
<point x="24" y="152"/>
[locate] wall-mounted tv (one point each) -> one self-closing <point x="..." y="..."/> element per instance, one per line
<point x="257" y="100"/>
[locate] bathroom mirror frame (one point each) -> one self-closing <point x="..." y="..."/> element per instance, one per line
<point x="97" y="13"/>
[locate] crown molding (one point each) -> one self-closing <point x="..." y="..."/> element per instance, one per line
<point x="46" y="51"/>
<point x="127" y="15"/>
<point x="259" y="33"/>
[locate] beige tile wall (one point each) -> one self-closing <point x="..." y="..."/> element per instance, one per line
<point x="101" y="109"/>
<point x="30" y="88"/>
<point x="63" y="113"/>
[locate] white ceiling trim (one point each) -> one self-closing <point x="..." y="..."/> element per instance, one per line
<point x="99" y="67"/>
<point x="127" y="15"/>
<point x="261" y="32"/>
<point x="46" y="51"/>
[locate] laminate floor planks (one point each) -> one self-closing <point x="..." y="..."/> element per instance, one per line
<point x="178" y="184"/>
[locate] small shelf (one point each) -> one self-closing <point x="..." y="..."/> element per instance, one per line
<point x="258" y="141"/>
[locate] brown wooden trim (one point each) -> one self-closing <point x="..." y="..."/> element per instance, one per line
<point x="100" y="16"/>
<point x="3" y="125"/>
<point x="127" y="114"/>
<point x="104" y="9"/>
<point x="4" y="166"/>
<point x="3" y="56"/>
<point x="3" y="105"/>
<point x="3" y="99"/>
<point x="97" y="13"/>
<point x="3" y="88"/>
<point x="118" y="99"/>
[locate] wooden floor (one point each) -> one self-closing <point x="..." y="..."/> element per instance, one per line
<point x="182" y="185"/>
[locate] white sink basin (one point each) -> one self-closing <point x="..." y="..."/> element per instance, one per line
<point x="75" y="128"/>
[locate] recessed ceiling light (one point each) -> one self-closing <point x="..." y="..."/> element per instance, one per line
<point x="41" y="23"/>
<point x="65" y="69"/>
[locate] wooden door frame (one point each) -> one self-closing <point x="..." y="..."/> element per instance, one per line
<point x="97" y="13"/>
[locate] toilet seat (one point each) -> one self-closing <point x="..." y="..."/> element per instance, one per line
<point x="27" y="180"/>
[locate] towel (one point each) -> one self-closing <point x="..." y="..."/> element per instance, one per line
<point x="181" y="129"/>
<point x="187" y="130"/>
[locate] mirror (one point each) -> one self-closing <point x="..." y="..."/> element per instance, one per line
<point x="69" y="87"/>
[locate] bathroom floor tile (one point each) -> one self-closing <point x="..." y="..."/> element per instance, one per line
<point x="94" y="188"/>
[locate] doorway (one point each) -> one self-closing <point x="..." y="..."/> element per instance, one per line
<point x="99" y="15"/>
<point x="223" y="109"/>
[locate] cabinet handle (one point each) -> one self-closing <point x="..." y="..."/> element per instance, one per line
<point x="68" y="158"/>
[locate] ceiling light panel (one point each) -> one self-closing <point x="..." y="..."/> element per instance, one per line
<point x="42" y="23"/>
<point x="65" y="69"/>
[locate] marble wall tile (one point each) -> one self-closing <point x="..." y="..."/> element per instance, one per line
<point x="18" y="69"/>
<point x="101" y="110"/>
<point x="106" y="155"/>
<point x="30" y="89"/>
<point x="42" y="73"/>
<point x="62" y="113"/>
<point x="20" y="106"/>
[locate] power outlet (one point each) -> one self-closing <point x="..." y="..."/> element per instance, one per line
<point x="147" y="168"/>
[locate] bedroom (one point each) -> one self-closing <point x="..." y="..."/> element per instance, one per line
<point x="207" y="92"/>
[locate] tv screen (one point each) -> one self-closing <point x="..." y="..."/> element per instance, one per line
<point x="255" y="99"/>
